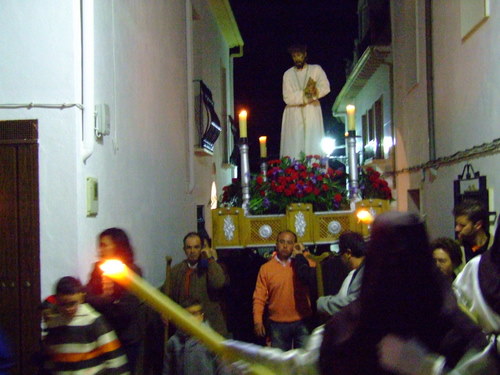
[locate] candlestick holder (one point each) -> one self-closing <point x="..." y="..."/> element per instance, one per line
<point x="353" y="166"/>
<point x="263" y="168"/>
<point x="245" y="174"/>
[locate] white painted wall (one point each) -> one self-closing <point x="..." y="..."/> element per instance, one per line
<point x="39" y="64"/>
<point x="410" y="105"/>
<point x="378" y="86"/>
<point x="466" y="82"/>
<point x="210" y="57"/>
<point x="142" y="167"/>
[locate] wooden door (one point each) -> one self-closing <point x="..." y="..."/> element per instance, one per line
<point x="20" y="241"/>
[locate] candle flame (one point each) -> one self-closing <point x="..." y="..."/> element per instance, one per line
<point x="243" y="113"/>
<point x="365" y="216"/>
<point x="112" y="267"/>
<point x="263" y="139"/>
<point x="350" y="108"/>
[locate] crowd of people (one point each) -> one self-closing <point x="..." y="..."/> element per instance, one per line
<point x="410" y="315"/>
<point x="407" y="306"/>
<point x="401" y="304"/>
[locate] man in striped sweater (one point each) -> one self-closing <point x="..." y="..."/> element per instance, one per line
<point x="79" y="341"/>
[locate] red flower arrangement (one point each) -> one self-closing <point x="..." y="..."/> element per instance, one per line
<point x="231" y="194"/>
<point x="373" y="186"/>
<point x="304" y="180"/>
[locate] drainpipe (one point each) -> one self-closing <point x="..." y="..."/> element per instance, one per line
<point x="88" y="114"/>
<point x="393" y="127"/>
<point x="190" y="94"/>
<point x="430" y="79"/>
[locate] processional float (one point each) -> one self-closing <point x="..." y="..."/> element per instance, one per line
<point x="235" y="227"/>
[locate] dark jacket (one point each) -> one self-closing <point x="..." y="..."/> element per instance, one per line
<point x="185" y="355"/>
<point x="122" y="310"/>
<point x="347" y="349"/>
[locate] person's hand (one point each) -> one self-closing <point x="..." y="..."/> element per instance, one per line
<point x="213" y="253"/>
<point x="208" y="252"/>
<point x="259" y="329"/>
<point x="310" y="91"/>
<point x="401" y="356"/>
<point x="49" y="313"/>
<point x="204" y="253"/>
<point x="298" y="248"/>
<point x="107" y="286"/>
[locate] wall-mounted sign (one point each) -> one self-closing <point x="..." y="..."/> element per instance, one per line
<point x="470" y="185"/>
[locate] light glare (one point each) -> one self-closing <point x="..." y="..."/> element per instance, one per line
<point x="328" y="145"/>
<point x="365" y="216"/>
<point x="112" y="266"/>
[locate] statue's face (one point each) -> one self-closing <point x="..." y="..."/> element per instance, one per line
<point x="299" y="59"/>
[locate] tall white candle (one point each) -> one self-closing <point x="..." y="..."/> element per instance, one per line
<point x="351" y="117"/>
<point x="243" y="123"/>
<point x="263" y="146"/>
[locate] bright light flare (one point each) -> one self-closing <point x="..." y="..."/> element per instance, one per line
<point x="328" y="145"/>
<point x="112" y="267"/>
<point x="365" y="216"/>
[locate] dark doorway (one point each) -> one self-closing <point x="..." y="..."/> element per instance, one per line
<point x="20" y="240"/>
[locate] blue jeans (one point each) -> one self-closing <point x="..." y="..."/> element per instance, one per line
<point x="288" y="335"/>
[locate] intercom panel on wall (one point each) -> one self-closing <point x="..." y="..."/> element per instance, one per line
<point x="92" y="197"/>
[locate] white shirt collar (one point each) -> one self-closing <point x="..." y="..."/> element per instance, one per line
<point x="283" y="263"/>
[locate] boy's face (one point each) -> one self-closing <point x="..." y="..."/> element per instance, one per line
<point x="196" y="311"/>
<point x="67" y="304"/>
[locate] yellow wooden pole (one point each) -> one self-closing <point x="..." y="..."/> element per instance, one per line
<point x="123" y="275"/>
<point x="319" y="271"/>
<point x="166" y="290"/>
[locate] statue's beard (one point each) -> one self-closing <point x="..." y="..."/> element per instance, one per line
<point x="299" y="64"/>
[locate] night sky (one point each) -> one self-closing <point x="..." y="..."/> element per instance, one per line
<point x="268" y="27"/>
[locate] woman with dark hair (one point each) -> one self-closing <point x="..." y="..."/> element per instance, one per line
<point x="403" y="294"/>
<point x="120" y="308"/>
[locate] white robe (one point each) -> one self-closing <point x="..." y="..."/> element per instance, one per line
<point x="468" y="292"/>
<point x="302" y="125"/>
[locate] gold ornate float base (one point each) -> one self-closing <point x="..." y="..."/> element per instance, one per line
<point x="233" y="229"/>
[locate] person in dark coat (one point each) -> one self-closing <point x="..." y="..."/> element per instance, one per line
<point x="403" y="294"/>
<point x="120" y="308"/>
